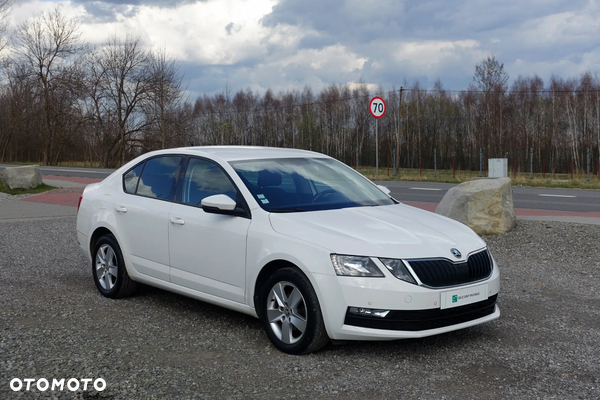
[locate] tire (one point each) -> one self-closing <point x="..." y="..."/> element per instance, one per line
<point x="108" y="269"/>
<point x="291" y="314"/>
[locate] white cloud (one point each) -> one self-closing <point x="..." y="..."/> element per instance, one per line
<point x="287" y="44"/>
<point x="195" y="32"/>
<point x="331" y="57"/>
<point x="563" y="28"/>
<point x="435" y="58"/>
<point x="23" y="10"/>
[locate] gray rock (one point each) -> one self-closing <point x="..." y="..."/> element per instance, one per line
<point x="27" y="177"/>
<point x="485" y="205"/>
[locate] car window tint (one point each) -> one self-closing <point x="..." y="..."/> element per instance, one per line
<point x="203" y="179"/>
<point x="159" y="176"/>
<point x="130" y="180"/>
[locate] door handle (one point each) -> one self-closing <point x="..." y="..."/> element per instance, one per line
<point x="177" y="221"/>
<point x="121" y="209"/>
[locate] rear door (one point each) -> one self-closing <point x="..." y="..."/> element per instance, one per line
<point x="207" y="251"/>
<point x="142" y="214"/>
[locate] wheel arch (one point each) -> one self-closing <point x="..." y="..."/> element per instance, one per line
<point x="264" y="274"/>
<point x="98" y="233"/>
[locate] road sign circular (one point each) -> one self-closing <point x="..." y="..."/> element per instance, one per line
<point x="377" y="107"/>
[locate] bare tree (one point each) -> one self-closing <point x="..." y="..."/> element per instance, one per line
<point x="5" y="6"/>
<point x="165" y="99"/>
<point x="47" y="44"/>
<point x="120" y="85"/>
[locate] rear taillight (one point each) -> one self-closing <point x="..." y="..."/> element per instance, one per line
<point x="79" y="203"/>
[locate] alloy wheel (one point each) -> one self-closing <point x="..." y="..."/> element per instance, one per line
<point x="106" y="267"/>
<point x="286" y="312"/>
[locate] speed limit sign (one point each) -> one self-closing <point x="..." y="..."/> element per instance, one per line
<point x="377" y="107"/>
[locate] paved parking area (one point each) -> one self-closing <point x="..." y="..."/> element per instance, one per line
<point x="157" y="345"/>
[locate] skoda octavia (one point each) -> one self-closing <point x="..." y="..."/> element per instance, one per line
<point x="301" y="241"/>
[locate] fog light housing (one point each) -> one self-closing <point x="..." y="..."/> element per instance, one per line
<point x="368" y="312"/>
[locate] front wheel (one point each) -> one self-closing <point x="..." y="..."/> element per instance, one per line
<point x="108" y="269"/>
<point x="291" y="314"/>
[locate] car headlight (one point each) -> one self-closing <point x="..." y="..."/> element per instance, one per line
<point x="398" y="269"/>
<point x="355" y="266"/>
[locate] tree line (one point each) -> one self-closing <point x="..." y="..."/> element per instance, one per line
<point x="63" y="100"/>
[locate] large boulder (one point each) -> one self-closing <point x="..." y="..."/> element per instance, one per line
<point x="485" y="205"/>
<point x="27" y="177"/>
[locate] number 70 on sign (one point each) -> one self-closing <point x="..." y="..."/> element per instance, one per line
<point x="377" y="107"/>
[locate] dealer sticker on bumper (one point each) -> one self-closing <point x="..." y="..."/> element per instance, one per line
<point x="461" y="297"/>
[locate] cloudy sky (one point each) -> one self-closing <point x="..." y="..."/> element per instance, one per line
<point x="287" y="44"/>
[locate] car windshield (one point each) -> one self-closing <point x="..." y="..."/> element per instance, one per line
<point x="307" y="184"/>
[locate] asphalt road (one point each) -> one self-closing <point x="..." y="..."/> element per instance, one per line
<point x="576" y="200"/>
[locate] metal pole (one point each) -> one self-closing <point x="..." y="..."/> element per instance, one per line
<point x="394" y="161"/>
<point x="531" y="162"/>
<point x="588" y="165"/>
<point x="376" y="152"/>
<point x="435" y="164"/>
<point x="356" y="162"/>
<point x="480" y="162"/>
<point x="399" y="135"/>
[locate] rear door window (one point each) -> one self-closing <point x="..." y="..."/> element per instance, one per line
<point x="159" y="177"/>
<point x="131" y="178"/>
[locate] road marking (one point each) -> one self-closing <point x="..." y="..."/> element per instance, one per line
<point x="556" y="195"/>
<point x="417" y="188"/>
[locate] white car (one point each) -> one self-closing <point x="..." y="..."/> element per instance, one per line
<point x="295" y="238"/>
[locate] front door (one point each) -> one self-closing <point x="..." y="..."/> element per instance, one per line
<point x="207" y="251"/>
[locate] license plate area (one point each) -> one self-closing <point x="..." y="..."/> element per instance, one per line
<point x="462" y="297"/>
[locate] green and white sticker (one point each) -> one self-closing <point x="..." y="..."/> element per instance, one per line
<point x="462" y="297"/>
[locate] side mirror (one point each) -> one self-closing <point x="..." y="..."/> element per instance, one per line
<point x="384" y="189"/>
<point x="220" y="204"/>
<point x="218" y="201"/>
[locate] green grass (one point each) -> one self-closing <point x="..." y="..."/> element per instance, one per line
<point x="521" y="178"/>
<point x="40" y="189"/>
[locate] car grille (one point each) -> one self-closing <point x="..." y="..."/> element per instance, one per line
<point x="443" y="273"/>
<point x="421" y="320"/>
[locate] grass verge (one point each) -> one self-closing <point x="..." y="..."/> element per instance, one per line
<point x="40" y="189"/>
<point x="579" y="181"/>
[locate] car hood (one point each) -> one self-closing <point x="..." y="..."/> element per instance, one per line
<point x="394" y="231"/>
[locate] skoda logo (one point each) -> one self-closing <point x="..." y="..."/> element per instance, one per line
<point x="455" y="253"/>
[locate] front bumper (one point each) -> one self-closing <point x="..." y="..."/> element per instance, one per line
<point x="422" y="320"/>
<point x="415" y="311"/>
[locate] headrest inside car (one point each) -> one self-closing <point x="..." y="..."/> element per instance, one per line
<point x="268" y="178"/>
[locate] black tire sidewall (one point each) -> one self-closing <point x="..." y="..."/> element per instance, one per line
<point x="312" y="309"/>
<point x="112" y="242"/>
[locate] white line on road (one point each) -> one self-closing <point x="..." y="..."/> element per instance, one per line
<point x="416" y="188"/>
<point x="556" y="195"/>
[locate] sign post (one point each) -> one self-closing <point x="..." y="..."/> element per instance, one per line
<point x="377" y="109"/>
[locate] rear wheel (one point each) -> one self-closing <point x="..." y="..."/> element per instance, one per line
<point x="291" y="314"/>
<point x="108" y="269"/>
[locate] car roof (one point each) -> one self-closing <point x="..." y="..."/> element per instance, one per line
<point x="237" y="153"/>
